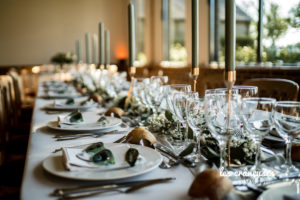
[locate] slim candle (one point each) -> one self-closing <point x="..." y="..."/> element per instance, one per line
<point x="79" y="51"/>
<point x="230" y="35"/>
<point x="101" y="43"/>
<point x="107" y="48"/>
<point x="131" y="29"/>
<point x="88" y="47"/>
<point x="195" y="32"/>
<point x="95" y="47"/>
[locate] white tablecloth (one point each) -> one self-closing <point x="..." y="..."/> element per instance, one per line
<point x="38" y="184"/>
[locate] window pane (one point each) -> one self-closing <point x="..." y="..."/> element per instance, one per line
<point x="140" y="32"/>
<point x="282" y="32"/>
<point x="177" y="15"/>
<point x="246" y="31"/>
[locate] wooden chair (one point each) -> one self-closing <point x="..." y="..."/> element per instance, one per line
<point x="210" y="82"/>
<point x="281" y="89"/>
<point x="3" y="128"/>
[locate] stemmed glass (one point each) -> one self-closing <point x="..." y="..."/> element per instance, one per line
<point x="171" y="91"/>
<point x="162" y="80"/>
<point x="287" y="122"/>
<point x="195" y="120"/>
<point x="257" y="119"/>
<point x="138" y="90"/>
<point x="220" y="122"/>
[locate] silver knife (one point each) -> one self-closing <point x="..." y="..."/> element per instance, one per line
<point x="104" y="187"/>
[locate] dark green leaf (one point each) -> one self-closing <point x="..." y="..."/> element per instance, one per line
<point x="104" y="157"/>
<point x="169" y="115"/>
<point x="75" y="116"/>
<point x="131" y="156"/>
<point x="188" y="150"/>
<point x="70" y="101"/>
<point x="94" y="148"/>
<point x="190" y="133"/>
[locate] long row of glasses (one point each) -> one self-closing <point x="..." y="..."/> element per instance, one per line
<point x="226" y="115"/>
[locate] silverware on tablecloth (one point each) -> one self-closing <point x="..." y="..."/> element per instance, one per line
<point x="76" y="136"/>
<point x="85" y="191"/>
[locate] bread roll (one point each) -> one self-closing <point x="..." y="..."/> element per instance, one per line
<point x="118" y="112"/>
<point x="210" y="184"/>
<point x="137" y="134"/>
<point x="96" y="97"/>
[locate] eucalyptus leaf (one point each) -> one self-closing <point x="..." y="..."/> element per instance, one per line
<point x="169" y="115"/>
<point x="104" y="157"/>
<point x="190" y="133"/>
<point x="70" y="101"/>
<point x="95" y="148"/>
<point x="131" y="156"/>
<point x="75" y="116"/>
<point x="188" y="150"/>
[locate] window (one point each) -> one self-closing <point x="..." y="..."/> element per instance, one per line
<point x="140" y="10"/>
<point x="174" y="29"/>
<point x="280" y="43"/>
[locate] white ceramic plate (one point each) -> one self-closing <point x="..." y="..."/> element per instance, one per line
<point x="90" y="119"/>
<point x="150" y="160"/>
<point x="279" y="191"/>
<point x="76" y="106"/>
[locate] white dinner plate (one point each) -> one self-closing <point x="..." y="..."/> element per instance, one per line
<point x="76" y="106"/>
<point x="150" y="160"/>
<point x="280" y="190"/>
<point x="89" y="124"/>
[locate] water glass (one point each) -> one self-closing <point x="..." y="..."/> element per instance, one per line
<point x="287" y="122"/>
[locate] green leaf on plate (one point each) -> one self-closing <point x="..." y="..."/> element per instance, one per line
<point x="131" y="156"/>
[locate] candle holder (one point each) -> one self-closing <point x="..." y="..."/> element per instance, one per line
<point x="230" y="78"/>
<point x="195" y="74"/>
<point x="132" y="72"/>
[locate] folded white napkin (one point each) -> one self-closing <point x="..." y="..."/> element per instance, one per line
<point x="72" y="162"/>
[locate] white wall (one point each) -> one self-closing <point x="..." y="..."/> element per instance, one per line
<point x="32" y="31"/>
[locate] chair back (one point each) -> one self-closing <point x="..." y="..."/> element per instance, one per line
<point x="3" y="128"/>
<point x="17" y="83"/>
<point x="281" y="89"/>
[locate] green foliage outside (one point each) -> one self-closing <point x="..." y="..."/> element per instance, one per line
<point x="275" y="27"/>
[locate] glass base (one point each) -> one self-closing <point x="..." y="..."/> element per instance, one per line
<point x="287" y="170"/>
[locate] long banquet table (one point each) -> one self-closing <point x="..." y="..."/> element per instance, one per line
<point x="38" y="184"/>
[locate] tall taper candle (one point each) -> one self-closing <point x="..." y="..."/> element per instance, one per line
<point x="131" y="28"/>
<point x="230" y="35"/>
<point x="107" y="48"/>
<point x="79" y="51"/>
<point x="88" y="48"/>
<point x="101" y="43"/>
<point x="195" y="33"/>
<point x="95" y="47"/>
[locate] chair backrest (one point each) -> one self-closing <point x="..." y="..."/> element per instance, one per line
<point x="281" y="89"/>
<point x="17" y="82"/>
<point x="3" y="128"/>
<point x="210" y="82"/>
<point x="10" y="99"/>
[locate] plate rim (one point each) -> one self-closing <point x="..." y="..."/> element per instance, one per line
<point x="286" y="184"/>
<point x="128" y="175"/>
<point x="50" y="125"/>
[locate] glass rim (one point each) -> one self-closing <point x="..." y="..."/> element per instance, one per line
<point x="244" y="86"/>
<point x="261" y="99"/>
<point x="286" y="103"/>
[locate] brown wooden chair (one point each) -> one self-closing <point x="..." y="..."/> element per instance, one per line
<point x="281" y="89"/>
<point x="210" y="82"/>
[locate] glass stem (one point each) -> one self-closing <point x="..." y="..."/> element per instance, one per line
<point x="288" y="151"/>
<point x="257" y="156"/>
<point x="222" y="146"/>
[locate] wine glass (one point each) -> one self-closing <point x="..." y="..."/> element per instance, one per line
<point x="246" y="90"/>
<point x="220" y="121"/>
<point x="257" y="119"/>
<point x="195" y="120"/>
<point x="177" y="139"/>
<point x="162" y="80"/>
<point x="287" y="122"/>
<point x="138" y="87"/>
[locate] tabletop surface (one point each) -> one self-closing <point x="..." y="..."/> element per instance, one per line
<point x="38" y="184"/>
